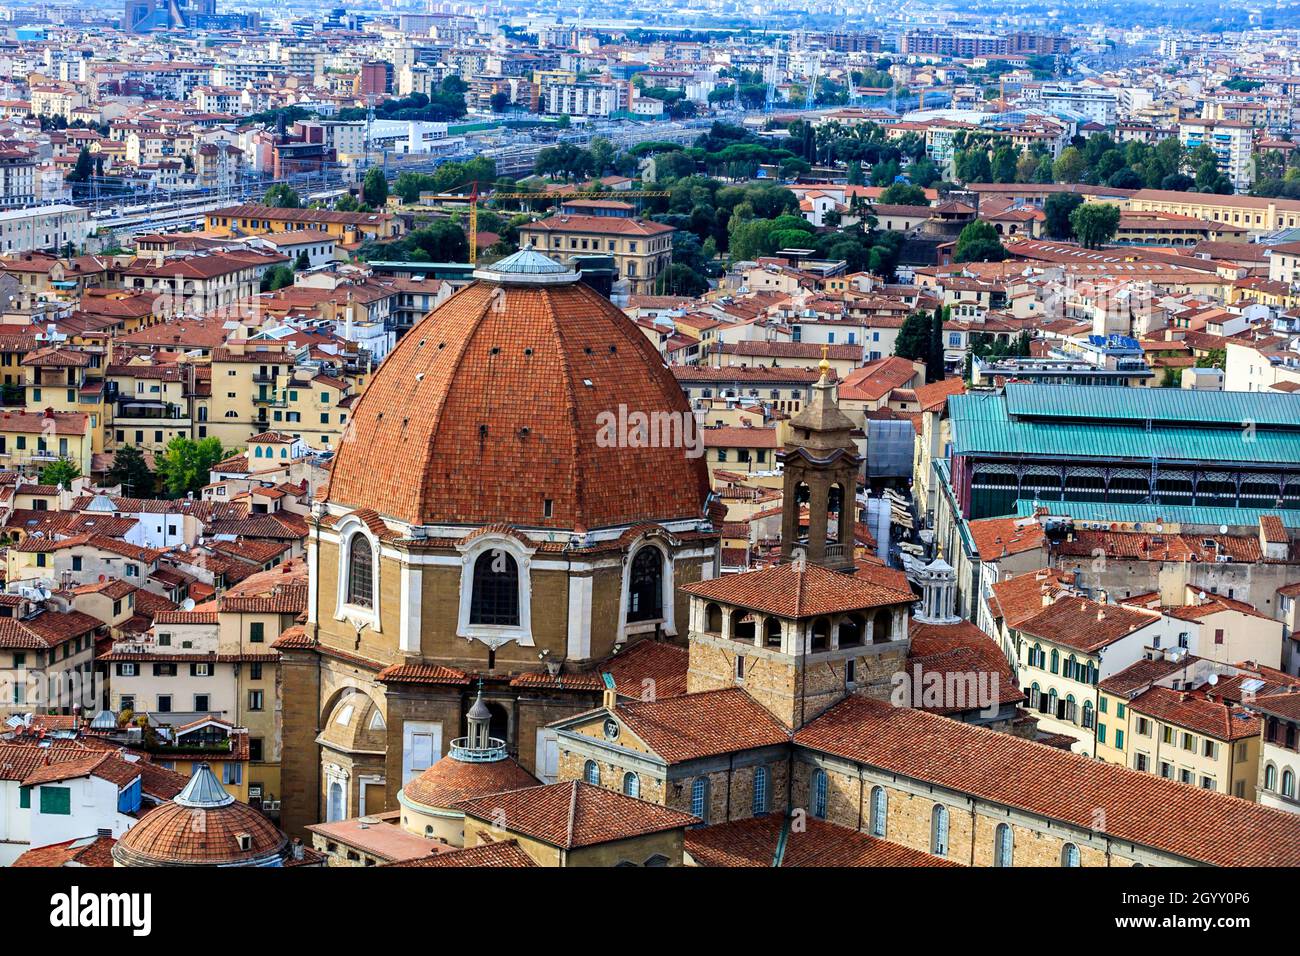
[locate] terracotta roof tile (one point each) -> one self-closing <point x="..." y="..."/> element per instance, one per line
<point x="784" y="590"/>
<point x="692" y="726"/>
<point x="575" y="814"/>
<point x="512" y="380"/>
<point x="754" y="842"/>
<point x="1139" y="807"/>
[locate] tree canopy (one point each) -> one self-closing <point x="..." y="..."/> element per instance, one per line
<point x="185" y="465"/>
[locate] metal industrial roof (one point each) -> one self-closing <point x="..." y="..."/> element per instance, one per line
<point x="1187" y="406"/>
<point x="1158" y="513"/>
<point x="981" y="424"/>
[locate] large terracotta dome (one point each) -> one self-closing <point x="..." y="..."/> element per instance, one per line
<point x="492" y="406"/>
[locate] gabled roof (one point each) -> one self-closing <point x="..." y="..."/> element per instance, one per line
<point x="1141" y="808"/>
<point x="704" y="724"/>
<point x="573" y="815"/>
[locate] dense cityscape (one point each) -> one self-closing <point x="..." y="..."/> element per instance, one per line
<point x="452" y="435"/>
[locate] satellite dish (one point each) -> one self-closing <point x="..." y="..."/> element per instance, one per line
<point x="187" y="604"/>
<point x="1223" y="529"/>
<point x="1212" y="679"/>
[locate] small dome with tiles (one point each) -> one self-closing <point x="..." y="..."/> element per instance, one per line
<point x="203" y="826"/>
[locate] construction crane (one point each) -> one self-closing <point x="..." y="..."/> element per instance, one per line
<point x="474" y="197"/>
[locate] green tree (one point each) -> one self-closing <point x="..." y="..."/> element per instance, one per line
<point x="1095" y="224"/>
<point x="276" y="277"/>
<point x="282" y="196"/>
<point x="1069" y="166"/>
<point x="441" y="241"/>
<point x="1056" y="212"/>
<point x="903" y="194"/>
<point x="374" y="188"/>
<point x="979" y="242"/>
<point x="499" y="102"/>
<point x="60" y="472"/>
<point x="303" y="262"/>
<point x="934" y="361"/>
<point x="84" y="169"/>
<point x="131" y="472"/>
<point x="681" y="279"/>
<point x="1003" y="167"/>
<point x="913" y="340"/>
<point x="185" y="465"/>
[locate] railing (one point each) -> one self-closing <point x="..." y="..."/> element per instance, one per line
<point x="495" y="750"/>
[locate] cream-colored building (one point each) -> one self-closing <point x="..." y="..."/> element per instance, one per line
<point x="641" y="249"/>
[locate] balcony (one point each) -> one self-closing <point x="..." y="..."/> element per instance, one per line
<point x="495" y="750"/>
<point x="148" y="412"/>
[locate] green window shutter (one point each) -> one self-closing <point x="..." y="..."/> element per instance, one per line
<point x="56" y="800"/>
<point x="256" y="632"/>
<point x="25" y="797"/>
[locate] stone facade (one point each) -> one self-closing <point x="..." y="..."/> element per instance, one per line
<point x="972" y="823"/>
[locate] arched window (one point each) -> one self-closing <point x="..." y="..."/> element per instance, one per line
<point x="1288" y="784"/>
<point x="631" y="784"/>
<point x="591" y="773"/>
<point x="700" y="798"/>
<point x="1087" y="714"/>
<point x="1002" y="845"/>
<point x="1270" y="777"/>
<point x="495" y="601"/>
<point x="879" y="811"/>
<point x="819" y="794"/>
<point x="361" y="572"/>
<point x="645" y="589"/>
<point x="1069" y="855"/>
<point x="1052" y="701"/>
<point x="335" y="802"/>
<point x="713" y="619"/>
<point x="939" y="830"/>
<point x="1056" y="661"/>
<point x="760" y="791"/>
<point x="772" y="632"/>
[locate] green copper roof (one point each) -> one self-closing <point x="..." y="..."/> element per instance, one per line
<point x="1155" y="514"/>
<point x="1174" y="405"/>
<point x="1104" y="422"/>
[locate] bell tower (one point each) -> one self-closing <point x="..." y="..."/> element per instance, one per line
<point x="820" y="464"/>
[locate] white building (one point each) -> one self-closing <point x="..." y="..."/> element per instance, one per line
<point x="41" y="228"/>
<point x="1099" y="106"/>
<point x="1231" y="142"/>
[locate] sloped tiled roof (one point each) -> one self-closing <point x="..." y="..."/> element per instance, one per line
<point x="698" y="725"/>
<point x="575" y="814"/>
<point x="754" y="842"/>
<point x="1140" y="808"/>
<point x="787" y="591"/>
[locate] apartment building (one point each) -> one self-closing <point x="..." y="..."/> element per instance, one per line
<point x="1231" y="141"/>
<point x="641" y="249"/>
